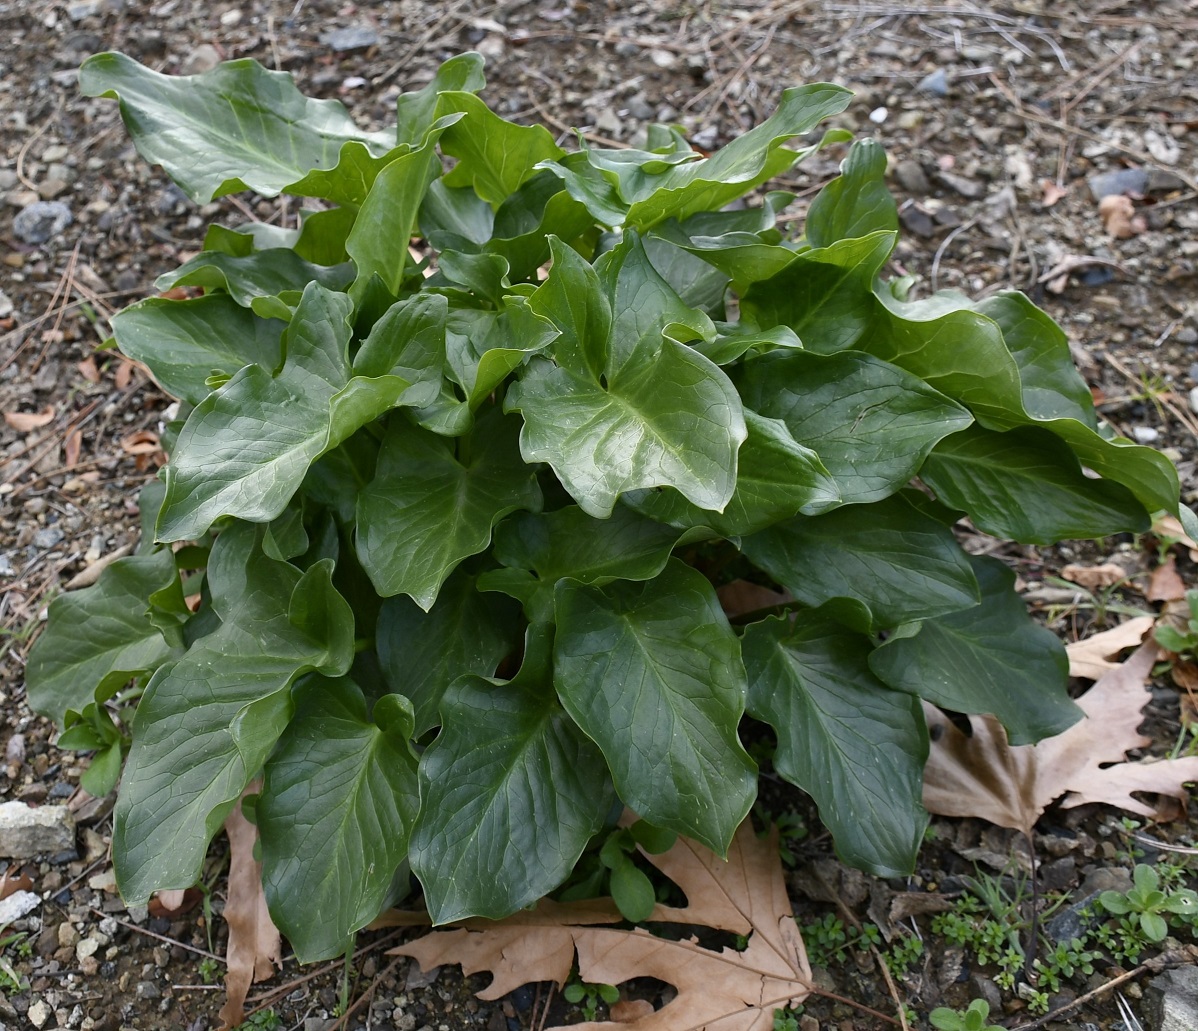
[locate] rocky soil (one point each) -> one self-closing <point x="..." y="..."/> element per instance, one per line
<point x="1007" y="125"/>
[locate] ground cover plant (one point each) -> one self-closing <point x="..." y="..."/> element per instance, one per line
<point x="438" y="548"/>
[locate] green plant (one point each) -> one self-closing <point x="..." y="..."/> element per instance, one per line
<point x="787" y="1019"/>
<point x="263" y="1020"/>
<point x="1182" y="641"/>
<point x="1147" y="906"/>
<point x="973" y="1018"/>
<point x="458" y="508"/>
<point x="903" y="954"/>
<point x="588" y="996"/>
<point x="93" y="730"/>
<point x="828" y="940"/>
<point x="209" y="970"/>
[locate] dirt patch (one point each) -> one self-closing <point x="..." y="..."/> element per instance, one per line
<point x="1006" y="127"/>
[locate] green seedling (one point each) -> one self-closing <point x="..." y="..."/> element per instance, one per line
<point x="587" y="997"/>
<point x="973" y="1018"/>
<point x="1147" y="906"/>
<point x="1182" y="641"/>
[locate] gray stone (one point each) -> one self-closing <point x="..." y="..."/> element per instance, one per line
<point x="203" y="58"/>
<point x="41" y="221"/>
<point x="8" y="179"/>
<point x="147" y="990"/>
<point x="6" y="305"/>
<point x="970" y="189"/>
<point x="26" y="832"/>
<point x="355" y="37"/>
<point x="935" y="82"/>
<point x="911" y="177"/>
<point x="1171" y="1003"/>
<point x="39" y="1013"/>
<point x="84" y="9"/>
<point x="319" y="1023"/>
<point x="17" y="905"/>
<point x="48" y="537"/>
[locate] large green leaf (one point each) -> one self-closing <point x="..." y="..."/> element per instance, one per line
<point x="992" y="658"/>
<point x="417" y="111"/>
<point x="494" y="155"/>
<point x="901" y="564"/>
<point x="422" y="653"/>
<point x="184" y="342"/>
<point x="776" y="478"/>
<point x="379" y="240"/>
<point x="408" y="341"/>
<point x="261" y="274"/>
<point x="678" y="185"/>
<point x="429" y="507"/>
<point x="247" y="447"/>
<point x="871" y="423"/>
<point x="484" y="347"/>
<point x="626" y="407"/>
<point x="857" y="747"/>
<point x="208" y="721"/>
<point x="339" y="797"/>
<point x="100" y="637"/>
<point x="857" y="202"/>
<point x="511" y="792"/>
<point x="1028" y="486"/>
<point x="652" y="674"/>
<point x="236" y="127"/>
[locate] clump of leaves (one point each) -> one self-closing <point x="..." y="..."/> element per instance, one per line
<point x="1181" y="639"/>
<point x="1149" y="904"/>
<point x="974" y="1018"/>
<point x="458" y="508"/>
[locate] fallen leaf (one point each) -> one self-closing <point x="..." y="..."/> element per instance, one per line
<point x="1051" y="193"/>
<point x="1185" y="676"/>
<point x="88" y="370"/>
<point x="1169" y="528"/>
<point x="1166" y="584"/>
<point x="124" y="374"/>
<point x="725" y="989"/>
<point x="71" y="447"/>
<point x="1119" y="217"/>
<point x="1095" y="656"/>
<point x="14" y="880"/>
<point x="255" y="947"/>
<point x="628" y="1011"/>
<point x="23" y="422"/>
<point x="986" y="777"/>
<point x="1092" y="577"/>
<point x="175" y="902"/>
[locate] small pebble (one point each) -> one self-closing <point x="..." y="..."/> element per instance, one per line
<point x="41" y="221"/>
<point x="878" y="115"/>
<point x="1145" y="434"/>
<point x="935" y="83"/>
<point x="1194" y="399"/>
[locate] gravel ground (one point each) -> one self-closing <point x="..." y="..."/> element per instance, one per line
<point x="1006" y="125"/>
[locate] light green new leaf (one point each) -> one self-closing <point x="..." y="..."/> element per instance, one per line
<point x="184" y="342"/>
<point x="857" y="202"/>
<point x="1028" y="486"/>
<point x="511" y="792"/>
<point x="652" y="674"/>
<point x="100" y="637"/>
<point x="776" y="478"/>
<point x="484" y="347"/>
<point x="429" y="507"/>
<point x="992" y="658"/>
<point x="871" y="423"/>
<point x="208" y="721"/>
<point x="494" y="155"/>
<point x="408" y="342"/>
<point x="339" y="797"/>
<point x="632" y="409"/>
<point x="261" y="274"/>
<point x="853" y="744"/>
<point x="247" y="447"/>
<point x="417" y="111"/>
<point x="901" y="564"/>
<point x="236" y="127"/>
<point x="422" y="653"/>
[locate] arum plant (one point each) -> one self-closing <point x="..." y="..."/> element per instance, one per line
<point x="464" y="458"/>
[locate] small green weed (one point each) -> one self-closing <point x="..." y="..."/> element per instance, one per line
<point x="588" y="996"/>
<point x="1183" y="641"/>
<point x="975" y="1018"/>
<point x="787" y="1019"/>
<point x="1148" y="906"/>
<point x="828" y="940"/>
<point x="209" y="971"/>
<point x="263" y="1020"/>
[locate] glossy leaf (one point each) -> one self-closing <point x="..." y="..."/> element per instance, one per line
<point x="652" y="673"/>
<point x="261" y="274"/>
<point x="183" y="343"/>
<point x="102" y="636"/>
<point x="247" y="447"/>
<point x="870" y="423"/>
<point x="1028" y="486"/>
<point x="899" y="563"/>
<point x="338" y="801"/>
<point x="511" y="792"/>
<point x="428" y="508"/>
<point x="853" y="744"/>
<point x="465" y="633"/>
<point x="657" y="414"/>
<point x="207" y="722"/>
<point x="857" y="202"/>
<point x="992" y="658"/>
<point x="236" y="127"/>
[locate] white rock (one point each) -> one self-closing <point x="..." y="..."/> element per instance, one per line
<point x="17" y="905"/>
<point x="39" y="1013"/>
<point x="878" y="115"/>
<point x="1194" y="399"/>
<point x="1145" y="434"/>
<point x="26" y="832"/>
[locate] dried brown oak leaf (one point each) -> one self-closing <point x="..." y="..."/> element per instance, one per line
<point x="1011" y="786"/>
<point x="721" y="990"/>
<point x="255" y="948"/>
